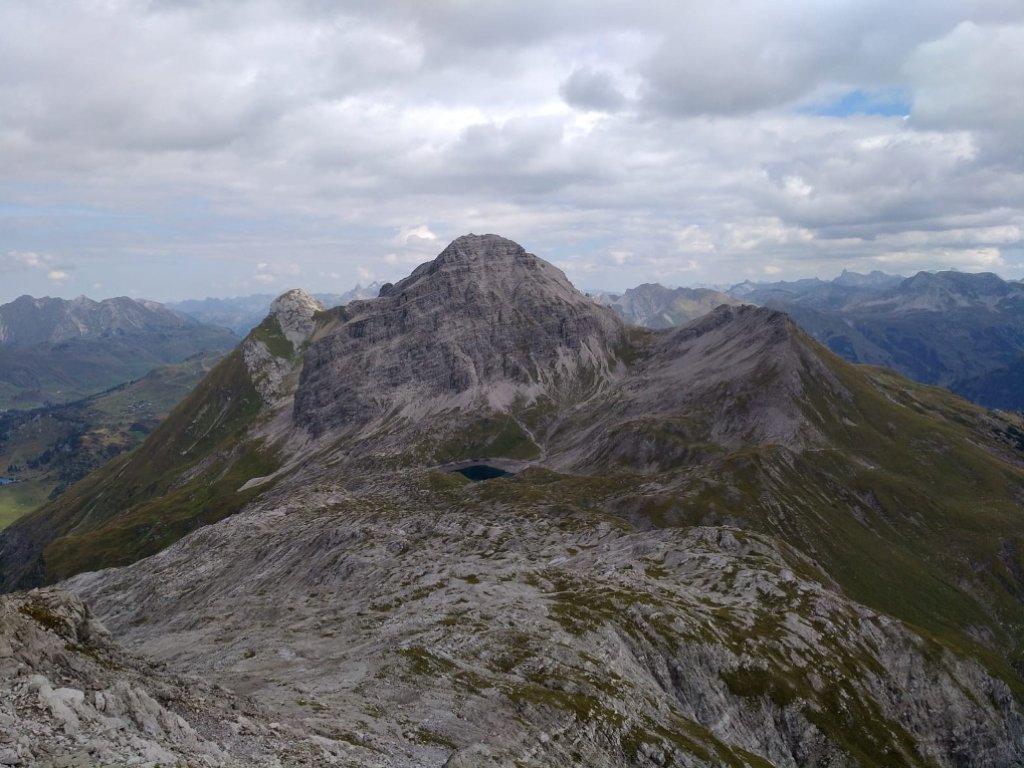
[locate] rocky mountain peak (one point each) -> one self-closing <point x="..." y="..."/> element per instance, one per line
<point x="483" y="322"/>
<point x="488" y="266"/>
<point x="294" y="311"/>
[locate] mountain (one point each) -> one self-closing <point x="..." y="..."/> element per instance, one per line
<point x="959" y="330"/>
<point x="242" y="314"/>
<point x="46" y="449"/>
<point x="720" y="544"/>
<point x="950" y="291"/>
<point x="55" y="351"/>
<point x="27" y="321"/>
<point x="874" y="280"/>
<point x="656" y="306"/>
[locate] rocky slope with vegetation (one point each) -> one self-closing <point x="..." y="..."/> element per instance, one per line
<point x="723" y="545"/>
<point x="958" y="330"/>
<point x="72" y="697"/>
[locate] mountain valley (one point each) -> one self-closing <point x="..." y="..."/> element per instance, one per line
<point x="47" y="449"/>
<point x="55" y="351"/>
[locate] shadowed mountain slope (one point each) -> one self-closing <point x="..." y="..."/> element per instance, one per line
<point x="958" y="330"/>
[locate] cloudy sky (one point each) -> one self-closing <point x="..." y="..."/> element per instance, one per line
<point x="189" y="148"/>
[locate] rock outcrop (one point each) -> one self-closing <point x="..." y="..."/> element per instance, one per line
<point x="270" y="349"/>
<point x="430" y="625"/>
<point x="70" y="696"/>
<point x="294" y="311"/>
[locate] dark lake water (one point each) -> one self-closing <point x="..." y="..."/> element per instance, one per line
<point x="479" y="472"/>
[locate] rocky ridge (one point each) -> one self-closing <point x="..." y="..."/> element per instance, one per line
<point x="27" y="320"/>
<point x="437" y="626"/>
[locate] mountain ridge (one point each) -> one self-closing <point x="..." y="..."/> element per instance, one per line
<point x="723" y="545"/>
<point x="27" y="320"/>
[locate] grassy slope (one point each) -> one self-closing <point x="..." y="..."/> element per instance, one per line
<point x="914" y="505"/>
<point x="59" y="373"/>
<point x="54" y="447"/>
<point x="18" y="499"/>
<point x="142" y="501"/>
<point x="912" y="509"/>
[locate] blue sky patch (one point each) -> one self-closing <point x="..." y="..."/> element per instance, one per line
<point x="888" y="103"/>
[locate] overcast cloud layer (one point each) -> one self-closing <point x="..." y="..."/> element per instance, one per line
<point x="174" y="149"/>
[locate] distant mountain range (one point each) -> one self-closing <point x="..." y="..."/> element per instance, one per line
<point x="656" y="306"/>
<point x="717" y="544"/>
<point x="244" y="313"/>
<point x="56" y="351"/>
<point x="959" y="330"/>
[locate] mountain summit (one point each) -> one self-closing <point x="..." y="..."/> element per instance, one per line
<point x="484" y="324"/>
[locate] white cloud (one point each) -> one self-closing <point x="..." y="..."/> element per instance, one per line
<point x="970" y="78"/>
<point x="414" y="236"/>
<point x="57" y="275"/>
<point x="18" y="260"/>
<point x="964" y="259"/>
<point x="328" y="138"/>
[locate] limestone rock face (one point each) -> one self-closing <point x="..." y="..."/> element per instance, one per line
<point x="269" y="365"/>
<point x="476" y="635"/>
<point x="70" y="696"/>
<point x="294" y="311"/>
<point x="485" y="322"/>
